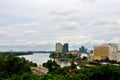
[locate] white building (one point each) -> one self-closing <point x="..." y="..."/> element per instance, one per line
<point x="113" y="51"/>
<point x="118" y="57"/>
<point x="59" y="47"/>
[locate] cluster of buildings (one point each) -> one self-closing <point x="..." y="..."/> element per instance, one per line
<point x="106" y="50"/>
<point x="100" y="52"/>
<point x="82" y="49"/>
<point x="62" y="48"/>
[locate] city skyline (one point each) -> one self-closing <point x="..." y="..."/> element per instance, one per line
<point x="27" y="25"/>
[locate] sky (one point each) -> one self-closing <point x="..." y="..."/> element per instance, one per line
<point x="27" y="25"/>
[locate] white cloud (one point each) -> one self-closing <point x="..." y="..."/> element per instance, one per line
<point x="67" y="26"/>
<point x="44" y="22"/>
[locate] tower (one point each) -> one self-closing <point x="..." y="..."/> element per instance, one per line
<point x="65" y="47"/>
<point x="59" y="47"/>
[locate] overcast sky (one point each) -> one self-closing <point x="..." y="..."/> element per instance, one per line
<point x="39" y="24"/>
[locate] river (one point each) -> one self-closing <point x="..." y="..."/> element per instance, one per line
<point x="41" y="58"/>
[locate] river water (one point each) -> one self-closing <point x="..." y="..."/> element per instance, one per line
<point x="41" y="58"/>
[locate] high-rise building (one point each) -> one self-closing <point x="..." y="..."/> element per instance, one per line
<point x="59" y="47"/>
<point x="82" y="49"/>
<point x="113" y="51"/>
<point x="106" y="51"/>
<point x="101" y="52"/>
<point x="65" y="47"/>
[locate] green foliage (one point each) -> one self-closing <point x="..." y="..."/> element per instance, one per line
<point x="15" y="68"/>
<point x="33" y="64"/>
<point x="109" y="61"/>
<point x="15" y="53"/>
<point x="10" y="65"/>
<point x="51" y="65"/>
<point x="53" y="55"/>
<point x="52" y="77"/>
<point x="103" y="72"/>
<point x="73" y="66"/>
<point x="61" y="55"/>
<point x="25" y="76"/>
<point x="84" y="58"/>
<point x="70" y="56"/>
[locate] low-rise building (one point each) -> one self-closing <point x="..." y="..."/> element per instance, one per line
<point x="118" y="57"/>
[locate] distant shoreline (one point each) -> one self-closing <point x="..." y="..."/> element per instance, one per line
<point x="16" y="53"/>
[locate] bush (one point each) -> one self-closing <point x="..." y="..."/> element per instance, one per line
<point x="10" y="65"/>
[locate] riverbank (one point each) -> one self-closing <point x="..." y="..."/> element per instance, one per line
<point x="39" y="70"/>
<point x="16" y="53"/>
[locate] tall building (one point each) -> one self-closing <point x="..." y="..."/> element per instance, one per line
<point x="59" y="47"/>
<point x="82" y="49"/>
<point x="113" y="51"/>
<point x="101" y="52"/>
<point x="106" y="51"/>
<point x="65" y="47"/>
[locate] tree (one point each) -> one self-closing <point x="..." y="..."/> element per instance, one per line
<point x="73" y="66"/>
<point x="103" y="72"/>
<point x="51" y="65"/>
<point x="84" y="58"/>
<point x="10" y="65"/>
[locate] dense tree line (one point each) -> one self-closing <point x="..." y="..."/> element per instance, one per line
<point x="15" y="68"/>
<point x="12" y="67"/>
<point x="102" y="72"/>
<point x="16" y="53"/>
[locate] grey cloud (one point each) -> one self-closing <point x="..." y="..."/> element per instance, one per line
<point x="106" y="22"/>
<point x="115" y="29"/>
<point x="67" y="26"/>
<point x="88" y="1"/>
<point x="28" y="25"/>
<point x="69" y="15"/>
<point x="65" y="13"/>
<point x="106" y="28"/>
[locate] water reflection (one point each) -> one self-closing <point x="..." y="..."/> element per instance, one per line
<point x="41" y="58"/>
<point x="62" y="63"/>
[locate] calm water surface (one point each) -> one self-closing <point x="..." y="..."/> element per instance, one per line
<point x="41" y="58"/>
